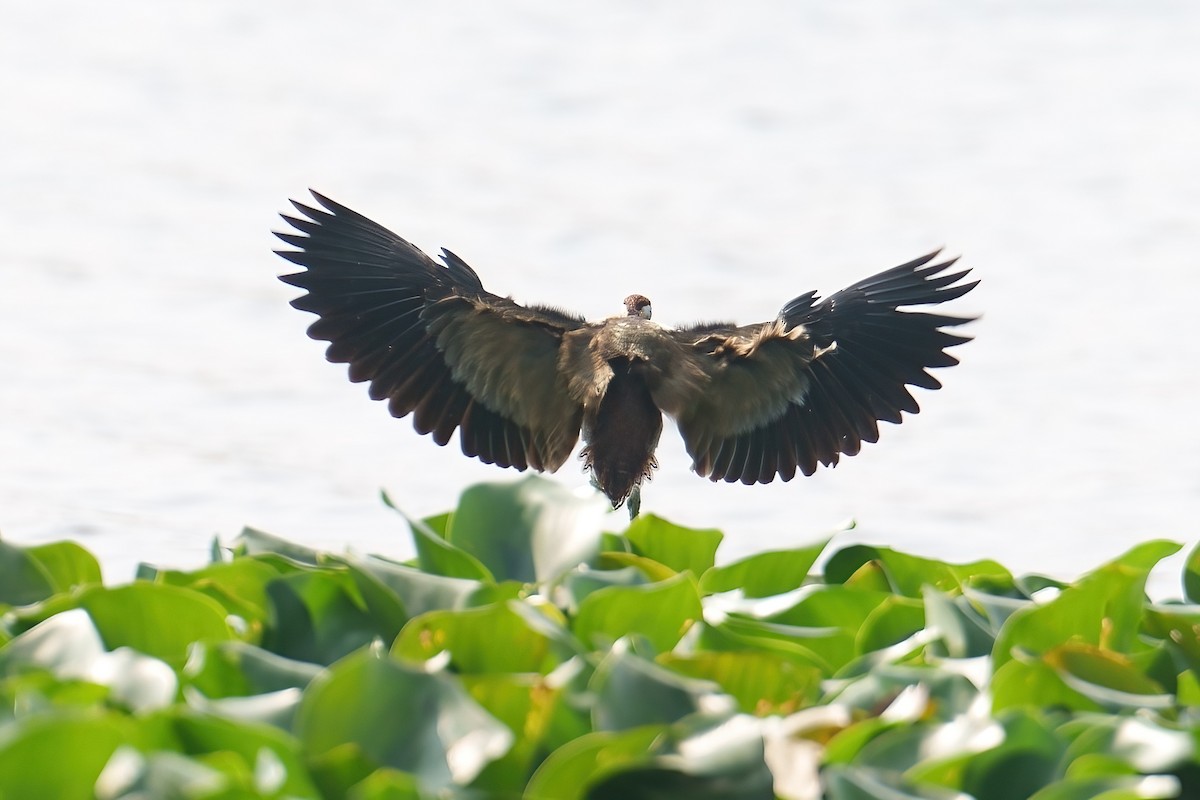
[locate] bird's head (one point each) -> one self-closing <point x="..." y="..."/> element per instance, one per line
<point x="637" y="305"/>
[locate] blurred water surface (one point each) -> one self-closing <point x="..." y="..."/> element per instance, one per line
<point x="156" y="389"/>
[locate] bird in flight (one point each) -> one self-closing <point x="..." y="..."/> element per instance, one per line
<point x="520" y="383"/>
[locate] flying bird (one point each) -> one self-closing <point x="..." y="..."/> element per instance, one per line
<point x="521" y="382"/>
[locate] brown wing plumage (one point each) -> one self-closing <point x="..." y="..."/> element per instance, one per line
<point x="432" y="341"/>
<point x="813" y="384"/>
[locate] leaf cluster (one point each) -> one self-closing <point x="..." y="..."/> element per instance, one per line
<point x="525" y="652"/>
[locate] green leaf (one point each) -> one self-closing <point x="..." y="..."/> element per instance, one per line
<point x="68" y="564"/>
<point x="618" y="559"/>
<point x="1103" y="608"/>
<point x="964" y="633"/>
<point x="907" y="574"/>
<point x="764" y="574"/>
<point x="60" y="755"/>
<point x="239" y="586"/>
<point x="702" y="758"/>
<point x="68" y="646"/>
<point x="270" y="756"/>
<point x="1027" y="760"/>
<point x="1104" y="676"/>
<point x="531" y="530"/>
<point x="892" y="621"/>
<point x="252" y="542"/>
<point x="23" y="579"/>
<point x="381" y="713"/>
<point x="826" y="621"/>
<point x="632" y="691"/>
<point x="526" y="704"/>
<point x="157" y="620"/>
<point x="761" y="682"/>
<point x="438" y="557"/>
<point x="489" y="639"/>
<point x="230" y="669"/>
<point x="677" y="547"/>
<point x="855" y="782"/>
<point x="608" y="614"/>
<point x="418" y="592"/>
<point x="1191" y="575"/>
<point x="1034" y="684"/>
<point x="319" y="617"/>
<point x="569" y="770"/>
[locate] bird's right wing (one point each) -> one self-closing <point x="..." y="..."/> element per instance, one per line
<point x="813" y="383"/>
<point x="432" y="341"/>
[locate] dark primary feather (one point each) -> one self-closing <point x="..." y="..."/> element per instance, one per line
<point x="864" y="352"/>
<point x="379" y="300"/>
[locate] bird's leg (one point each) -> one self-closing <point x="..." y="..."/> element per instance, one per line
<point x="634" y="502"/>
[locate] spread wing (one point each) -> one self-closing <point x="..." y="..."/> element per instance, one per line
<point x="432" y="341"/>
<point x="813" y="383"/>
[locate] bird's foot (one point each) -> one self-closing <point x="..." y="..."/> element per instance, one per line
<point x="634" y="502"/>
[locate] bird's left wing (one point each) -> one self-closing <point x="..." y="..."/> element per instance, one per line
<point x="432" y="341"/>
<point x="763" y="400"/>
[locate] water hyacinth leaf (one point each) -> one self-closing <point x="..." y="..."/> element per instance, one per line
<point x="855" y="782"/>
<point x="1027" y="759"/>
<point x="909" y="693"/>
<point x="1177" y="627"/>
<point x="67" y="563"/>
<point x="569" y="770"/>
<point x="436" y="556"/>
<point x="608" y="614"/>
<point x="632" y="691"/>
<point x="318" y="617"/>
<point x="1191" y="575"/>
<point x="154" y="619"/>
<point x="530" y="530"/>
<point x="906" y="573"/>
<point x="934" y="753"/>
<point x="1141" y="743"/>
<point x="894" y="620"/>
<point x="387" y="784"/>
<point x="707" y="758"/>
<point x="761" y="682"/>
<point x="1024" y="683"/>
<point x="618" y="559"/>
<point x="251" y="542"/>
<point x="1115" y="787"/>
<point x="488" y="639"/>
<point x="827" y="621"/>
<point x="61" y="755"/>
<point x="1102" y="608"/>
<point x="277" y="709"/>
<point x="738" y="633"/>
<point x="231" y="669"/>
<point x="438" y="523"/>
<point x="380" y="602"/>
<point x="580" y="583"/>
<point x="239" y="586"/>
<point x="675" y="546"/>
<point x="23" y="579"/>
<point x="377" y="712"/>
<point x="69" y="646"/>
<point x="418" y="591"/>
<point x="764" y="574"/>
<point x="959" y="628"/>
<point x="525" y="703"/>
<point x="131" y="775"/>
<point x="271" y="756"/>
<point x="1104" y="676"/>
